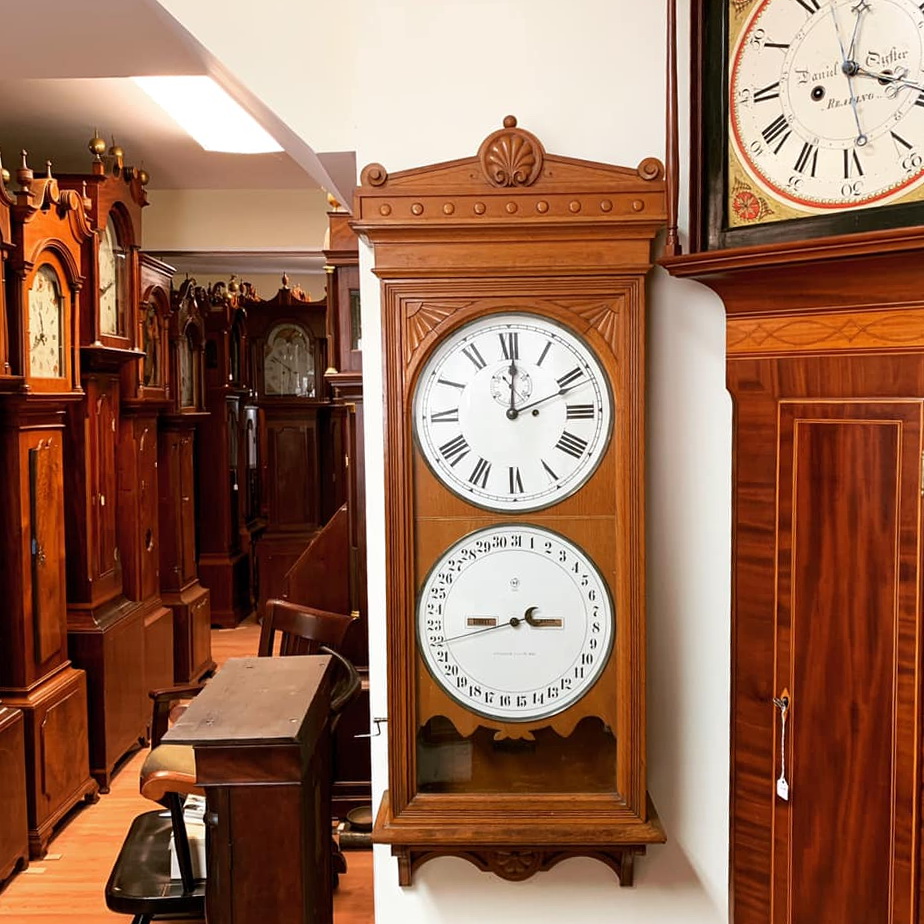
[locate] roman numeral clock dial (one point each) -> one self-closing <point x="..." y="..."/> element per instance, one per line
<point x="513" y="412"/>
<point x="826" y="104"/>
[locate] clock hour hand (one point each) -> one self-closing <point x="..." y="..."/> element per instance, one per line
<point x="898" y="80"/>
<point x="540" y="622"/>
<point x="513" y="621"/>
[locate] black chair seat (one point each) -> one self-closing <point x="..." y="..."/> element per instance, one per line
<point x="140" y="882"/>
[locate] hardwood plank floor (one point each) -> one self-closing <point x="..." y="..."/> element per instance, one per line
<point x="68" y="884"/>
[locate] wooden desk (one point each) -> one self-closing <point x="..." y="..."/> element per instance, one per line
<point x="261" y="731"/>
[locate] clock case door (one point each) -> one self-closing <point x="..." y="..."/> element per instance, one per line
<point x="7" y="378"/>
<point x="454" y="242"/>
<point x="709" y="229"/>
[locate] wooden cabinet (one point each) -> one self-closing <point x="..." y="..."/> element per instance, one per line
<point x="49" y="228"/>
<point x="14" y="829"/>
<point x="826" y="369"/>
<point x="261" y="733"/>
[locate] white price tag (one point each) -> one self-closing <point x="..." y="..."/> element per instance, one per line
<point x="782" y="789"/>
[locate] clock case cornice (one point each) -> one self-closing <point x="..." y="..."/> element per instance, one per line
<point x="114" y="196"/>
<point x="508" y="229"/>
<point x="49" y="223"/>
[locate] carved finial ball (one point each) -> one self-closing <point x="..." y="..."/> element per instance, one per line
<point x="332" y="202"/>
<point x="116" y="151"/>
<point x="4" y="175"/>
<point x="144" y="177"/>
<point x="233" y="287"/>
<point x="97" y="145"/>
<point x="510" y="121"/>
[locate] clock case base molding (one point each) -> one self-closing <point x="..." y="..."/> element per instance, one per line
<point x="505" y="851"/>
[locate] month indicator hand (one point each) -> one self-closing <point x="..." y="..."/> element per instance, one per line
<point x="513" y="621"/>
<point x="542" y="622"/>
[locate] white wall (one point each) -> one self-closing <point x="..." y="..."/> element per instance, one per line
<point x="431" y="81"/>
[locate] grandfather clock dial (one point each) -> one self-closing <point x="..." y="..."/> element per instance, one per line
<point x="288" y="362"/>
<point x="513" y="412"/>
<point x="46" y="317"/>
<point x="827" y="103"/>
<point x="110" y="272"/>
<point x="515" y="623"/>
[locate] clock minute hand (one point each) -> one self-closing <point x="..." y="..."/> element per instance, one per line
<point x="849" y="68"/>
<point x="555" y="394"/>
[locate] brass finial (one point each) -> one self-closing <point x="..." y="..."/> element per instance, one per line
<point x="233" y="287"/>
<point x="333" y="203"/>
<point x="143" y="176"/>
<point x="118" y="155"/>
<point x="97" y="145"/>
<point x="47" y="169"/>
<point x="285" y="280"/>
<point x="24" y="174"/>
<point x="4" y="173"/>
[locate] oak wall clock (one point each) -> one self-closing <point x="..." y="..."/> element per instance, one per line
<point x="810" y="117"/>
<point x="513" y="300"/>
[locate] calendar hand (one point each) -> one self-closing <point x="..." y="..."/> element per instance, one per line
<point x="513" y="621"/>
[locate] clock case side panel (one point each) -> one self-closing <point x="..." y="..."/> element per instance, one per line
<point x="466" y="300"/>
<point x="709" y="133"/>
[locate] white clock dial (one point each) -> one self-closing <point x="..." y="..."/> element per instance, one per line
<point x="826" y="99"/>
<point x="46" y="310"/>
<point x="513" y="412"/>
<point x="288" y="362"/>
<point x="109" y="272"/>
<point x="515" y="623"/>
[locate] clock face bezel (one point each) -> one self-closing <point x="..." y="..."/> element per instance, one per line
<point x="710" y="228"/>
<point x="588" y="576"/>
<point x="60" y="288"/>
<point x="599" y="434"/>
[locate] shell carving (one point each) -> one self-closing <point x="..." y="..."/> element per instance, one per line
<point x="511" y="156"/>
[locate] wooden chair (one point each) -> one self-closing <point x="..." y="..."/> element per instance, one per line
<point x="140" y="882"/>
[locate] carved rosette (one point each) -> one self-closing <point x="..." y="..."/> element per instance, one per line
<point x="511" y="156"/>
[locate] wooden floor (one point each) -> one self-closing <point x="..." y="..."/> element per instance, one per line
<point x="68" y="884"/>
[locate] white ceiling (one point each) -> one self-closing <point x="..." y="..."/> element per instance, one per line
<point x="65" y="73"/>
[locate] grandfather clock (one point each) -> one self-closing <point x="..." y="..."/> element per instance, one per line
<point x="106" y="628"/>
<point x="179" y="577"/>
<point x="287" y="336"/>
<point x="145" y="394"/>
<point x="50" y="228"/>
<point x="224" y="563"/>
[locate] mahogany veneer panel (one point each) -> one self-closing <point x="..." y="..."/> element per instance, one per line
<point x="14" y="831"/>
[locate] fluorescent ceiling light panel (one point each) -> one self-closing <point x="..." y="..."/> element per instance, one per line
<point x="203" y="109"/>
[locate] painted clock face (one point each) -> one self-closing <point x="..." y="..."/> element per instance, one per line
<point x="46" y="321"/>
<point x="826" y="102"/>
<point x="513" y="412"/>
<point x="515" y="623"/>
<point x="111" y="259"/>
<point x="288" y="362"/>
